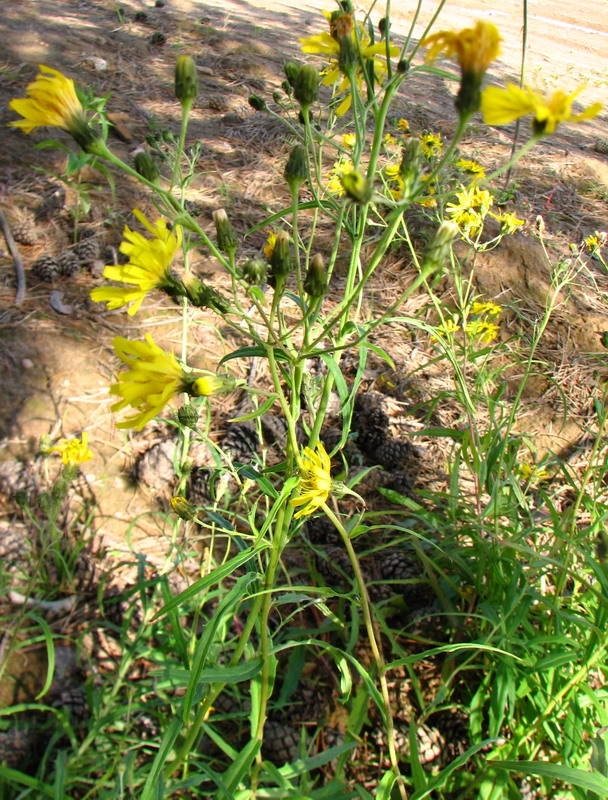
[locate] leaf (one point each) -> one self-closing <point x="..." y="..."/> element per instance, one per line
<point x="27" y="780"/>
<point x="250" y="472"/>
<point x="258" y="411"/>
<point x="591" y="781"/>
<point x="383" y="792"/>
<point x="251" y="351"/>
<point x="381" y="354"/>
<point x="215" y="576"/>
<point x="166" y="745"/>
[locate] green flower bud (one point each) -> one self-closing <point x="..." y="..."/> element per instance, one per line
<point x="296" y="169"/>
<point x="306" y="87"/>
<point x="356" y="187"/>
<point x="226" y="237"/>
<point x="409" y="168"/>
<point x="188" y="416"/>
<point x="209" y="383"/>
<point x="291" y="69"/>
<point x="258" y="103"/>
<point x="85" y="137"/>
<point x="183" y="508"/>
<point x="202" y="296"/>
<point x="186" y="81"/>
<point x="382" y="26"/>
<point x="277" y="97"/>
<point x="255" y="271"/>
<point x="287" y="88"/>
<point x="468" y="99"/>
<point x="280" y="261"/>
<point x="438" y="250"/>
<point x="403" y="66"/>
<point x="347" y="60"/>
<point x="145" y="166"/>
<point x="315" y="283"/>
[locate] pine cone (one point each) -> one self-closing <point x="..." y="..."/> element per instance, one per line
<point x="336" y="570"/>
<point x="395" y="454"/>
<point x="241" y="442"/>
<point x="350" y="450"/>
<point x="274" y="430"/>
<point x="454" y="727"/>
<point x="281" y="743"/>
<point x="45" y="267"/>
<point x="68" y="263"/>
<point x="321" y="531"/>
<point x="17" y="746"/>
<point x="74" y="702"/>
<point x="370" y="421"/>
<point x="24" y="232"/>
<point x="87" y="250"/>
<point x="431" y="745"/>
<point x="155" y="467"/>
<point x="400" y="482"/>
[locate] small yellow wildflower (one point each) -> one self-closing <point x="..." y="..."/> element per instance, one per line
<point x="342" y="167"/>
<point x="153" y="377"/>
<point x="315" y="482"/>
<point x="474" y="48"/>
<point x="492" y="309"/>
<point x="148" y="268"/>
<point x="483" y="330"/>
<point x="389" y="139"/>
<point x="349" y="140"/>
<point x="269" y="246"/>
<point x="531" y="473"/>
<point x="509" y="223"/>
<point x="501" y="106"/>
<point x="432" y="144"/>
<point x="183" y="508"/>
<point x="472" y="168"/>
<point x="472" y="206"/>
<point x="73" y="451"/>
<point x="403" y="125"/>
<point x="447" y="328"/>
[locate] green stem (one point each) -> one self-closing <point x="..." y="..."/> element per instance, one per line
<point x="180" y="145"/>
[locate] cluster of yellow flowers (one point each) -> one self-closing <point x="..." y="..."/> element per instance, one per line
<point x="343" y="166"/>
<point x="470" y="209"/>
<point x="482" y="328"/>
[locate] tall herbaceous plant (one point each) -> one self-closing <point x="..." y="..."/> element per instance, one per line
<point x="359" y="170"/>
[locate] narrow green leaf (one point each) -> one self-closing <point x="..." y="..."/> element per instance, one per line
<point x="381" y="354"/>
<point x="253" y="350"/>
<point x="27" y="780"/>
<point x="383" y="792"/>
<point x="50" y="654"/>
<point x="258" y="411"/>
<point x="241" y="765"/>
<point x="251" y="472"/>
<point x="591" y="781"/>
<point x="166" y="745"/>
<point x="219" y="520"/>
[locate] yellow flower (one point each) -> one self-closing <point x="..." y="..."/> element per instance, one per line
<point x="447" y="328"/>
<point x="501" y="106"/>
<point x="486" y="308"/>
<point x="153" y="377"/>
<point x="474" y="48"/>
<point x="52" y="101"/>
<point x="531" y="473"/>
<point x="389" y="139"/>
<point x="431" y="144"/>
<point x="315" y="483"/>
<point x="464" y="212"/>
<point x="472" y="167"/>
<point x="73" y="451"/>
<point x="183" y="508"/>
<point x="349" y="140"/>
<point x="210" y="383"/>
<point x="483" y="330"/>
<point x="403" y="125"/>
<point x="149" y="265"/>
<point x="342" y="167"/>
<point x="508" y="222"/>
<point x="269" y="246"/>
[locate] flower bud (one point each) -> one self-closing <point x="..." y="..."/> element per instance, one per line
<point x="409" y="168"/>
<point x="403" y="66"/>
<point x="287" y="88"/>
<point x="438" y="250"/>
<point x="306" y="87"/>
<point x="315" y="283"/>
<point x="291" y="69"/>
<point x="382" y="26"/>
<point x="188" y="416"/>
<point x="356" y="187"/>
<point x="255" y="271"/>
<point x="145" y="166"/>
<point x="296" y="169"/>
<point x="226" y="237"/>
<point x="202" y="296"/>
<point x="258" y="103"/>
<point x="183" y="508"/>
<point x="186" y="81"/>
<point x="277" y="97"/>
<point x="280" y="261"/>
<point x="347" y="59"/>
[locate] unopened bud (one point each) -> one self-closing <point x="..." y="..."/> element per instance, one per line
<point x="296" y="169"/>
<point x="146" y="166"/>
<point x="315" y="283"/>
<point x="255" y="271"/>
<point x="280" y="261"/>
<point x="291" y="69"/>
<point x="356" y="187"/>
<point x="347" y="59"/>
<point x="188" y="416"/>
<point x="277" y="97"/>
<point x="306" y="87"/>
<point x="382" y="25"/>
<point x="287" y="88"/>
<point x="226" y="237"/>
<point x="403" y="66"/>
<point x="202" y="296"/>
<point x="186" y="80"/>
<point x="209" y="383"/>
<point x="438" y="250"/>
<point x="183" y="508"/>
<point x="258" y="103"/>
<point x="409" y="168"/>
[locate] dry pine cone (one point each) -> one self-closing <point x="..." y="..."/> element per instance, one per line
<point x="45" y="268"/>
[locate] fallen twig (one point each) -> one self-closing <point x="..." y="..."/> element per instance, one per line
<point x="14" y="251"/>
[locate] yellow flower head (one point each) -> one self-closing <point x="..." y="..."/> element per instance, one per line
<point x="73" y="451"/>
<point x="342" y="167"/>
<point x="149" y="265"/>
<point x="315" y="482"/>
<point x="432" y="144"/>
<point x="509" y="223"/>
<point x="269" y="246"/>
<point x="403" y="125"/>
<point x="153" y="377"/>
<point x="52" y="101"/>
<point x="483" y="330"/>
<point x="447" y="328"/>
<point x="472" y="168"/>
<point x="389" y="139"/>
<point x="472" y="206"/>
<point x="210" y="383"/>
<point x="501" y="106"/>
<point x="492" y="309"/>
<point x="349" y="140"/>
<point x="531" y="473"/>
<point x="474" y="48"/>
